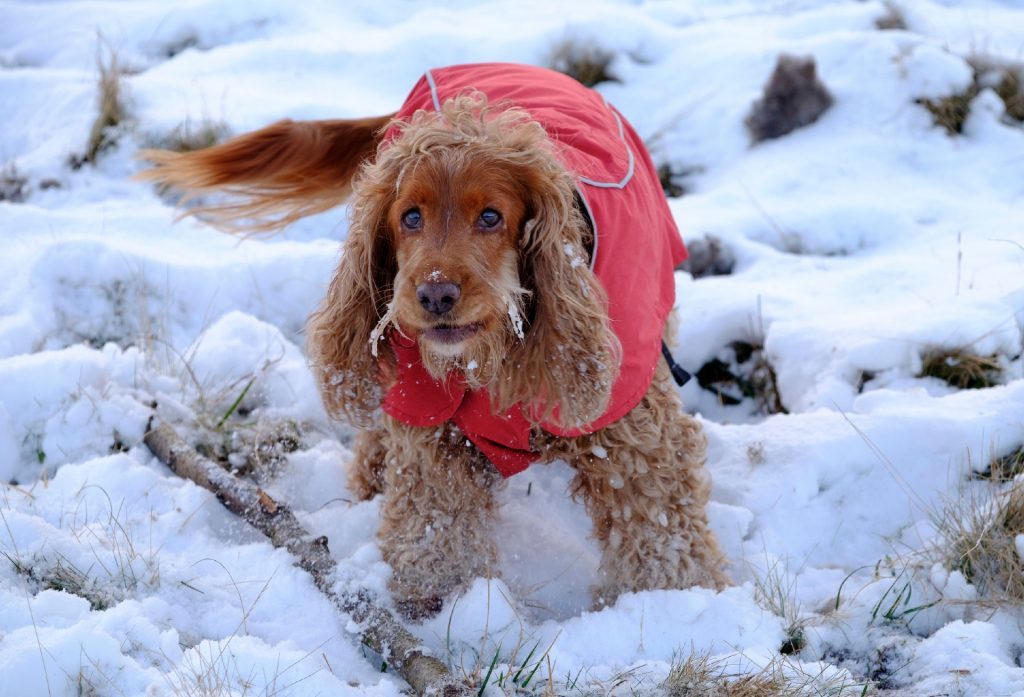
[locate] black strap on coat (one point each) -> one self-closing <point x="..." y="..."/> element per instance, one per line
<point x="678" y="373"/>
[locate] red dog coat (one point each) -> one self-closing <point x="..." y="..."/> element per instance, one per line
<point x="636" y="248"/>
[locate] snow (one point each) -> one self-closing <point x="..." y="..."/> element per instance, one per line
<point x="515" y="318"/>
<point x="860" y="242"/>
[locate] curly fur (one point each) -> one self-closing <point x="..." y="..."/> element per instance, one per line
<point x="646" y="497"/>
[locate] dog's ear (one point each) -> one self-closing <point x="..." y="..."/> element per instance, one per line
<point x="569" y="358"/>
<point x="273" y="176"/>
<point x="342" y="340"/>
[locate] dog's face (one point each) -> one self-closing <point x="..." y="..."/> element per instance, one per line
<point x="456" y="223"/>
<point x="466" y="237"/>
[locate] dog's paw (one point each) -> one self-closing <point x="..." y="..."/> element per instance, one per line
<point x="415" y="609"/>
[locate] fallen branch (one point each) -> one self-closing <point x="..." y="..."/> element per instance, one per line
<point x="379" y="631"/>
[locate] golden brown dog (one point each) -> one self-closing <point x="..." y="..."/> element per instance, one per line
<point x="466" y="248"/>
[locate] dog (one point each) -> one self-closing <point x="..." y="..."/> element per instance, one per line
<point x="502" y="299"/>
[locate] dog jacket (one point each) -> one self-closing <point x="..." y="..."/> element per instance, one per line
<point x="636" y="248"/>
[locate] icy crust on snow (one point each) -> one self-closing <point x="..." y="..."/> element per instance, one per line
<point x="860" y="243"/>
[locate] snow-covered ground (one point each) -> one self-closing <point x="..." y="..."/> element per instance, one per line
<point x="859" y="243"/>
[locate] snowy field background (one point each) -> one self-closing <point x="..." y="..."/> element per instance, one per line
<point x="856" y="246"/>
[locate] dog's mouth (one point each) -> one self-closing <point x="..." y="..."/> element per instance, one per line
<point x="450" y="334"/>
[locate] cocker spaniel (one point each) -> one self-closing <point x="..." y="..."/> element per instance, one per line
<point x="502" y="299"/>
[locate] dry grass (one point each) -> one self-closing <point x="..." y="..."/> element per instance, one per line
<point x="111" y="108"/>
<point x="951" y="112"/>
<point x="670" y="181"/>
<point x="1011" y="90"/>
<point x="116" y="563"/>
<point x="701" y="676"/>
<point x="743" y="371"/>
<point x="1005" y="78"/>
<point x="13" y="185"/>
<point x="228" y="426"/>
<point x="187" y="136"/>
<point x="674" y="179"/>
<point x="893" y="19"/>
<point x="62" y="575"/>
<point x="585" y="63"/>
<point x="775" y="591"/>
<point x="1004" y="468"/>
<point x="960" y="368"/>
<point x="211" y="669"/>
<point x="978" y="538"/>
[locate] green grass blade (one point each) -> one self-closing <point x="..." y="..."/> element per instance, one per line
<point x="487" y="678"/>
<point x="526" y="662"/>
<point x="234" y="405"/>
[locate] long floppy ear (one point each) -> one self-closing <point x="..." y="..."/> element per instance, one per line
<point x="272" y="176"/>
<point x="341" y="335"/>
<point x="569" y="358"/>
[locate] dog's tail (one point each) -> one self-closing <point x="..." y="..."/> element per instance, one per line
<point x="271" y="177"/>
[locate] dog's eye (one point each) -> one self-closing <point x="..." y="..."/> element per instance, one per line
<point x="412" y="220"/>
<point x="490" y="219"/>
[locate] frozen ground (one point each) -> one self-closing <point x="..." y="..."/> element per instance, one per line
<point x="859" y="244"/>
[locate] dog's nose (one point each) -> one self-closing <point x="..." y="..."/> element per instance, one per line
<point x="437" y="298"/>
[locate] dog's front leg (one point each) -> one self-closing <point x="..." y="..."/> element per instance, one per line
<point x="437" y="515"/>
<point x="366" y="469"/>
<point x="644" y="484"/>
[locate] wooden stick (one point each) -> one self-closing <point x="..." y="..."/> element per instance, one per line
<point x="379" y="629"/>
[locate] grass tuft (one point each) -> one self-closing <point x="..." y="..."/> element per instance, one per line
<point x="13" y="185"/>
<point x="669" y="180"/>
<point x="674" y="179"/>
<point x="64" y="576"/>
<point x="960" y="368"/>
<point x="1005" y="468"/>
<point x="1011" y="90"/>
<point x="1005" y="78"/>
<point x="111" y="109"/>
<point x="775" y="591"/>
<point x="188" y="137"/>
<point x="951" y="112"/>
<point x="585" y="63"/>
<point x="518" y="674"/>
<point x="497" y="669"/>
<point x="742" y="371"/>
<point x="979" y="539"/>
<point x="899" y="604"/>
<point x="893" y="19"/>
<point x="699" y="675"/>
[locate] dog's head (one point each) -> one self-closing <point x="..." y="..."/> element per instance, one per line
<point x="466" y="237"/>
